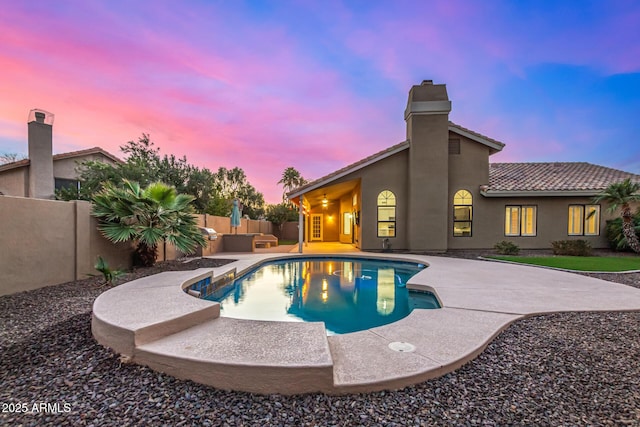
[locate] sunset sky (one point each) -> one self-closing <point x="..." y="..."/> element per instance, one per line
<point x="317" y="85"/>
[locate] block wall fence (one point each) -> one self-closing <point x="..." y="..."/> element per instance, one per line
<point x="47" y="242"/>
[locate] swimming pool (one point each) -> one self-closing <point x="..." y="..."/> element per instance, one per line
<point x="347" y="294"/>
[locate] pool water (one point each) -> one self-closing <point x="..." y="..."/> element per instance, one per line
<point x="348" y="295"/>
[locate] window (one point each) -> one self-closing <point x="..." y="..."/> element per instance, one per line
<point x="462" y="213"/>
<point x="386" y="214"/>
<point x="71" y="184"/>
<point x="520" y="221"/>
<point x="584" y="220"/>
<point x="346" y="223"/>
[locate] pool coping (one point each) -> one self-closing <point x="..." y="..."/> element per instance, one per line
<point x="154" y="322"/>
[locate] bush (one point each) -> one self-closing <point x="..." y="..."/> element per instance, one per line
<point x="616" y="238"/>
<point x="109" y="275"/>
<point x="571" y="247"/>
<point x="507" y="248"/>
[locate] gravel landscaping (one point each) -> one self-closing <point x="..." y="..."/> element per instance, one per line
<point x="561" y="369"/>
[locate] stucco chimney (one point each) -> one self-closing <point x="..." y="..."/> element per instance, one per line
<point x="40" y="128"/>
<point x="427" y="117"/>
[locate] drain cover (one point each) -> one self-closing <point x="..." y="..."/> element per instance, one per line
<point x="403" y="347"/>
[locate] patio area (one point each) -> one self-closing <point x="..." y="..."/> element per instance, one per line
<point x="158" y="325"/>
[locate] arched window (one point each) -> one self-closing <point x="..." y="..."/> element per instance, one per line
<point x="462" y="213"/>
<point x="386" y="214"/>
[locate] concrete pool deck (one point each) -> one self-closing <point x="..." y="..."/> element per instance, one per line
<point x="155" y="323"/>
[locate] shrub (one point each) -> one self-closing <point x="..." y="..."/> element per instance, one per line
<point x="614" y="233"/>
<point x="571" y="247"/>
<point x="507" y="248"/>
<point x="109" y="275"/>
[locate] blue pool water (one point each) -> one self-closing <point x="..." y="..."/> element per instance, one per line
<point x="348" y="295"/>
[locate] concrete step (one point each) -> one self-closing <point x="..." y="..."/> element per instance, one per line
<point x="248" y="355"/>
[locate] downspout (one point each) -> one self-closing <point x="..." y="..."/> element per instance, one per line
<point x="300" y="224"/>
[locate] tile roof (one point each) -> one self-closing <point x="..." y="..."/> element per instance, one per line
<point x="70" y="155"/>
<point x="14" y="165"/>
<point x="79" y="153"/>
<point x="565" y="176"/>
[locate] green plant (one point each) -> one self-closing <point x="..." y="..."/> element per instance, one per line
<point x="110" y="276"/>
<point x="615" y="236"/>
<point x="147" y="217"/>
<point x="506" y="248"/>
<point x="621" y="195"/>
<point x="281" y="213"/>
<point x="571" y="247"/>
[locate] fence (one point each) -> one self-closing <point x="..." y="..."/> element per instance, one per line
<point x="46" y="242"/>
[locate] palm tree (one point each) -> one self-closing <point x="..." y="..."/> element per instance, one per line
<point x="621" y="195"/>
<point x="147" y="216"/>
<point x="291" y="179"/>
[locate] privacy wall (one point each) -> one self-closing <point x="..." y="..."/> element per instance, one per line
<point x="46" y="242"/>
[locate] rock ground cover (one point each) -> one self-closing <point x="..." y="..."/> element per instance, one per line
<point x="560" y="369"/>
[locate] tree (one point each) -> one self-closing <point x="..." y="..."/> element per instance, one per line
<point x="621" y="195"/>
<point x="291" y="179"/>
<point x="10" y="158"/>
<point x="212" y="192"/>
<point x="279" y="214"/>
<point x="614" y="233"/>
<point x="147" y="217"/>
<point x="144" y="165"/>
<point x="233" y="183"/>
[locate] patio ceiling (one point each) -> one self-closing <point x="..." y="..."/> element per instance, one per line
<point x="331" y="192"/>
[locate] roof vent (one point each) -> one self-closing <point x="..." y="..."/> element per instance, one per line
<point x="427" y="82"/>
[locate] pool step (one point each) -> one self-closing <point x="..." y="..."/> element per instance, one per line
<point x="248" y="355"/>
<point x="440" y="341"/>
<point x="149" y="308"/>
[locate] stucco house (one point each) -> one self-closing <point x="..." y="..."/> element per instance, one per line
<point x="43" y="172"/>
<point x="437" y="191"/>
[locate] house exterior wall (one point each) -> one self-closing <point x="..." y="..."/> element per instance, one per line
<point x="426" y="175"/>
<point x="66" y="168"/>
<point x="15" y="182"/>
<point x="331" y="222"/>
<point x="387" y="174"/>
<point x="551" y="223"/>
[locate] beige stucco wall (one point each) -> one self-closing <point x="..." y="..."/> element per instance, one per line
<point x="222" y="225"/>
<point x="469" y="170"/>
<point x="15" y="182"/>
<point x="66" y="168"/>
<point x="45" y="242"/>
<point x="387" y="174"/>
<point x="37" y="243"/>
<point x="552" y="223"/>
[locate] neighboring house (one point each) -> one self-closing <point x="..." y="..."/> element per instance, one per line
<point x="43" y="172"/>
<point x="437" y="191"/>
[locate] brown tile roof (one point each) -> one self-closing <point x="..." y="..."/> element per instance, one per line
<point x="14" y="165"/>
<point x="88" y="151"/>
<point x="566" y="176"/>
<point x="70" y="155"/>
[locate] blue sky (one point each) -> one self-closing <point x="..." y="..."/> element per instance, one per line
<point x="317" y="85"/>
